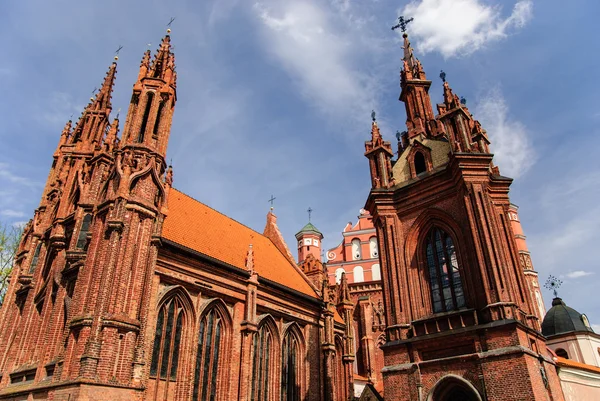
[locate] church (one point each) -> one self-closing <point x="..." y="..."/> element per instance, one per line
<point x="125" y="288"/>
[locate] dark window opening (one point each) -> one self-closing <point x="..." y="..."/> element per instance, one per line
<point x="167" y="338"/>
<point x="207" y="358"/>
<point x="149" y="99"/>
<point x="562" y="353"/>
<point x="36" y="256"/>
<point x="260" y="369"/>
<point x="290" y="390"/>
<point x="82" y="241"/>
<point x="420" y="165"/>
<point x="158" y="118"/>
<point x="444" y="273"/>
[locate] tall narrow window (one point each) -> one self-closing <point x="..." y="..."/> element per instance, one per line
<point x="261" y="372"/>
<point x="161" y="106"/>
<point x="149" y="99"/>
<point x="339" y="374"/>
<point x="356" y="251"/>
<point x="373" y="247"/>
<point x="358" y="274"/>
<point x="444" y="274"/>
<point x="376" y="272"/>
<point x="36" y="257"/>
<point x="420" y="166"/>
<point x="338" y="275"/>
<point x="167" y="338"/>
<point x="290" y="386"/>
<point x="207" y="357"/>
<point x="83" y="232"/>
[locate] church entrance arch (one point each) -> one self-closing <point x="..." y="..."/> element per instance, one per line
<point x="453" y="388"/>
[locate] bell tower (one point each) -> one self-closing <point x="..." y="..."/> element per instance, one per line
<point x="461" y="320"/>
<point x="309" y="242"/>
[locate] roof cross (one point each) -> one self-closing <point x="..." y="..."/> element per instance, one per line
<point x="271" y="200"/>
<point x="171" y="21"/>
<point x="402" y="23"/>
<point x="309" y="210"/>
<point x="118" y="50"/>
<point x="553" y="284"/>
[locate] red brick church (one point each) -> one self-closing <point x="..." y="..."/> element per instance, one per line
<point x="125" y="288"/>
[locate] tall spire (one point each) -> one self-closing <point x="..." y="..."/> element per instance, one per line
<point x="102" y="101"/>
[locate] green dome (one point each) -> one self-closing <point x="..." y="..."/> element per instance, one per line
<point x="562" y="319"/>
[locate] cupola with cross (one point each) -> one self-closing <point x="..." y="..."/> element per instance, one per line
<point x="309" y="240"/>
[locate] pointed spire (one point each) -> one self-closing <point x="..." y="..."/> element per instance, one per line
<point x="344" y="291"/>
<point x="111" y="138"/>
<point x="103" y="97"/>
<point x="250" y="260"/>
<point x="163" y="64"/>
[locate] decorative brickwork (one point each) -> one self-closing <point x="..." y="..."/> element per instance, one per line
<point x="127" y="289"/>
<point x="462" y="319"/>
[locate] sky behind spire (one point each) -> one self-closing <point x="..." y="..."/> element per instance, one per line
<point x="275" y="98"/>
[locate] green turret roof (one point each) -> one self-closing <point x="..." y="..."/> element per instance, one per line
<point x="309" y="228"/>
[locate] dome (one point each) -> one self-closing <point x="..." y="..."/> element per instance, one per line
<point x="561" y="319"/>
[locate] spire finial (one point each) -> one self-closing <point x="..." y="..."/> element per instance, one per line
<point x="117" y="52"/>
<point x="553" y="284"/>
<point x="169" y="25"/>
<point x="309" y="210"/>
<point x="272" y="200"/>
<point x="373" y="115"/>
<point x="402" y="24"/>
<point x="442" y="75"/>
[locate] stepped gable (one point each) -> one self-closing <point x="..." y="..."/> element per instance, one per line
<point x="197" y="226"/>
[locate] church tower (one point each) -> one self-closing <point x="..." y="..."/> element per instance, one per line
<point x="309" y="242"/>
<point x="75" y="313"/>
<point x="462" y="322"/>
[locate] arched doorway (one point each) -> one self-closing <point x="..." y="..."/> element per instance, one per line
<point x="453" y="388"/>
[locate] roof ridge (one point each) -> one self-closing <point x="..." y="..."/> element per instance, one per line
<point x="221" y="213"/>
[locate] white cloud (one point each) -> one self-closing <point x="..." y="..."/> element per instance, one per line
<point x="7" y="175"/>
<point x="510" y="140"/>
<point x="459" y="27"/>
<point x="578" y="274"/>
<point x="321" y="54"/>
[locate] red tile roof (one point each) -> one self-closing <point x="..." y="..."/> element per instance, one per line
<point x="196" y="226"/>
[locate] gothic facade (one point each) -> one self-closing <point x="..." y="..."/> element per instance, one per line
<point x="462" y="321"/>
<point x="125" y="288"/>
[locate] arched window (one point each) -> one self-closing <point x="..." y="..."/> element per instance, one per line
<point x="165" y="352"/>
<point x="562" y="353"/>
<point x="376" y="272"/>
<point x="358" y="274"/>
<point x="420" y="166"/>
<point x="149" y="99"/>
<point x="262" y="366"/>
<point x="338" y="275"/>
<point x="444" y="274"/>
<point x="373" y="247"/>
<point x="210" y="344"/>
<point x="356" y="251"/>
<point x="36" y="257"/>
<point x="290" y="358"/>
<point x="83" y="232"/>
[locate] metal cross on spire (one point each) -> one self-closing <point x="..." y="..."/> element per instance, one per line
<point x="553" y="284"/>
<point x="171" y="21"/>
<point x="118" y="50"/>
<point x="309" y="210"/>
<point x="373" y="115"/>
<point x="443" y="75"/>
<point x="402" y="23"/>
<point x="271" y="200"/>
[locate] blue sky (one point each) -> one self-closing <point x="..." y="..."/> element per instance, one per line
<point x="274" y="97"/>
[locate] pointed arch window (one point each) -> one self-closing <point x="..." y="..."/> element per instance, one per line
<point x="210" y="344"/>
<point x="420" y="165"/>
<point x="167" y="339"/>
<point x="83" y="232"/>
<point x="262" y="369"/>
<point x="36" y="257"/>
<point x="444" y="273"/>
<point x="290" y="357"/>
<point x="149" y="99"/>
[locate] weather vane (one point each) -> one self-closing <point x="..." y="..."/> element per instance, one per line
<point x="309" y="210"/>
<point x="402" y="23"/>
<point x="169" y="24"/>
<point x="373" y="115"/>
<point x="271" y="200"/>
<point x="553" y="284"/>
<point x="443" y="75"/>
